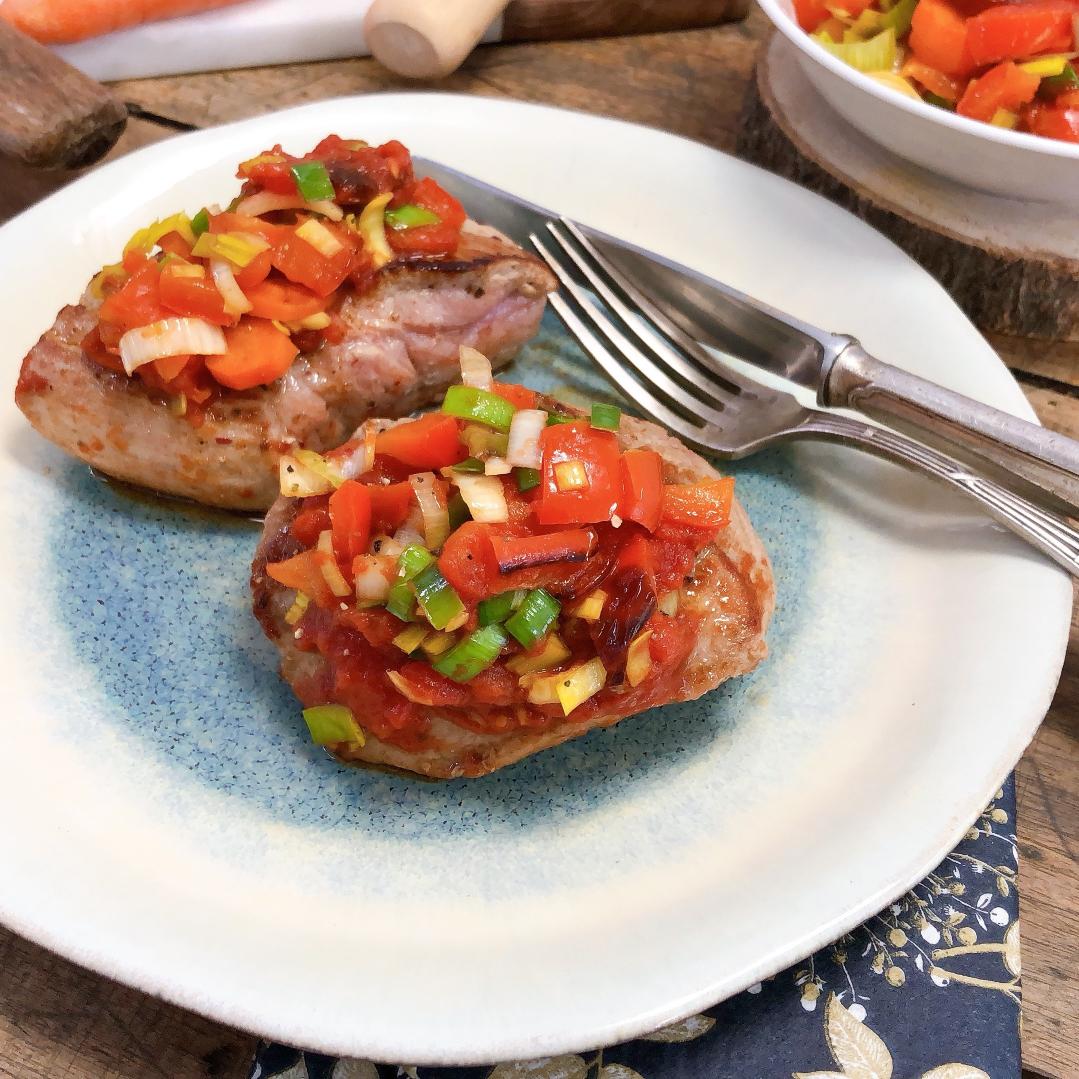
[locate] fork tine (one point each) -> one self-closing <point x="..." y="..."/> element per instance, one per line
<point x="599" y="272"/>
<point x="622" y="378"/>
<point x="656" y="315"/>
<point x="648" y="370"/>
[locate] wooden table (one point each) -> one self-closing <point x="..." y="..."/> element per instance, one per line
<point x="57" y="1020"/>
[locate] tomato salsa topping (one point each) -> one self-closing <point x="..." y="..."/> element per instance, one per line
<point x="501" y="563"/>
<point x="1010" y="64"/>
<point x="225" y="300"/>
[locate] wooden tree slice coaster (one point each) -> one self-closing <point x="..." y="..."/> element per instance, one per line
<point x="1013" y="267"/>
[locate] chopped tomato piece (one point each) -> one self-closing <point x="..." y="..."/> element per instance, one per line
<point x="440" y="239"/>
<point x="1053" y="121"/>
<point x="350" y="518"/>
<point x="1002" y="87"/>
<point x="637" y="554"/>
<point x="597" y="453"/>
<point x="468" y="562"/>
<point x="304" y="573"/>
<point x="938" y="37"/>
<point x="274" y="298"/>
<point x="310" y="523"/>
<point x="432" y="688"/>
<point x="95" y="348"/>
<point x="390" y="505"/>
<point x="432" y="441"/>
<point x="169" y="367"/>
<point x="642" y="488"/>
<point x="811" y="14"/>
<point x="175" y="244"/>
<point x="258" y="353"/>
<point x="257" y="226"/>
<point x="303" y="264"/>
<point x="850" y="8"/>
<point x="1019" y="31"/>
<point x="138" y="301"/>
<point x="194" y="296"/>
<point x="518" y="396"/>
<point x="703" y="505"/>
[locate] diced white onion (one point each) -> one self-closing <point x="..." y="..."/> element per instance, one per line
<point x="170" y="337"/>
<point x="407" y="536"/>
<point x="436" y="516"/>
<point x="385" y="545"/>
<point x="484" y="496"/>
<point x="236" y="303"/>
<point x="497" y="466"/>
<point x="475" y="368"/>
<point x="362" y="459"/>
<point x="372" y="227"/>
<point x="524" y="441"/>
<point x="264" y="202"/>
<point x="298" y="481"/>
<point x="374" y="573"/>
<point x="320" y="238"/>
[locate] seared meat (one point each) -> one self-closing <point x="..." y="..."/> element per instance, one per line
<point x="730" y="590"/>
<point x="401" y="352"/>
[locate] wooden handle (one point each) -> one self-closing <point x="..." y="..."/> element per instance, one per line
<point x="427" y="39"/>
<point x="52" y="116"/>
<point x="552" y="20"/>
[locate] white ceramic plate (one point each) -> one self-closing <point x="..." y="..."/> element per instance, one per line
<point x="167" y="823"/>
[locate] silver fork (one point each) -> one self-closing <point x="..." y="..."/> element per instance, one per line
<point x="672" y="378"/>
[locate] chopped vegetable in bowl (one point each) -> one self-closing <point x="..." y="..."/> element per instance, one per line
<point x="1012" y="65"/>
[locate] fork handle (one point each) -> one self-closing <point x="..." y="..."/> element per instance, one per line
<point x="1048" y="460"/>
<point x="1050" y="534"/>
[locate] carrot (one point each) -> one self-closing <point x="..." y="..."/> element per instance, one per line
<point x="258" y="353"/>
<point x="58" y="22"/>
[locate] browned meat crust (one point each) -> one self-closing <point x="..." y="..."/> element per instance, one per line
<point x="733" y="591"/>
<point x="400" y="353"/>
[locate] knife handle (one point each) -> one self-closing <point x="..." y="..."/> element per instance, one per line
<point x="51" y="115"/>
<point x="1045" y="459"/>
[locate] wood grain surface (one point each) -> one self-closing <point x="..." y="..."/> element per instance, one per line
<point x="59" y="1022"/>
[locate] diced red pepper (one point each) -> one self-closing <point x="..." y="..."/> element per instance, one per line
<point x="523" y="552"/>
<point x="304" y="573"/>
<point x="430" y="442"/>
<point x="196" y="297"/>
<point x="1005" y="86"/>
<point x="350" y="520"/>
<point x="703" y="505"/>
<point x="1020" y="31"/>
<point x="642" y="488"/>
<point x="138" y="301"/>
<point x="440" y="239"/>
<point x="303" y="264"/>
<point x="468" y="562"/>
<point x="390" y="505"/>
<point x="598" y="453"/>
<point x="938" y="38"/>
<point x="518" y="396"/>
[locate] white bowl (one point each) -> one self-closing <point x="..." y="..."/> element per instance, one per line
<point x="973" y="154"/>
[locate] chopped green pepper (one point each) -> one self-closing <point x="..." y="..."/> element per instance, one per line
<point x="401" y="602"/>
<point x="329" y="723"/>
<point x="312" y="180"/>
<point x="200" y="222"/>
<point x="474" y="654"/>
<point x="499" y="608"/>
<point x="437" y="597"/>
<point x="1062" y="83"/>
<point x="458" y="511"/>
<point x="469" y="464"/>
<point x="534" y="617"/>
<point x="939" y="102"/>
<point x="527" y="478"/>
<point x="411" y="216"/>
<point x="606" y="417"/>
<point x="413" y="559"/>
<point x="479" y="406"/>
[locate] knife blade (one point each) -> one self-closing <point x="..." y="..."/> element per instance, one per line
<point x="835" y="365"/>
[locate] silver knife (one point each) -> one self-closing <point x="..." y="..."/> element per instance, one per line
<point x="836" y="366"/>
